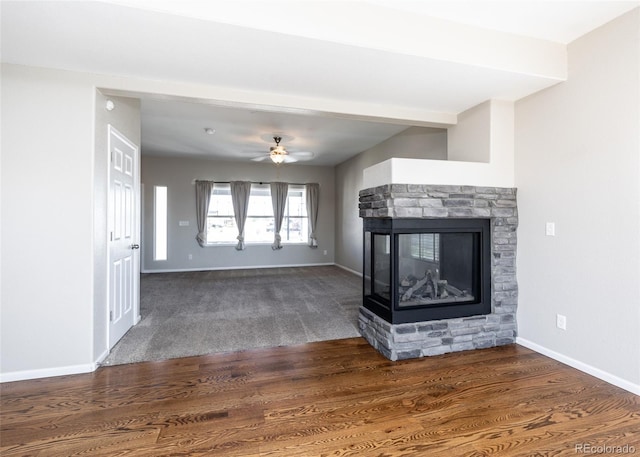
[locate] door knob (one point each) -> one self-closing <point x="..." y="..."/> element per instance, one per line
<point x="135" y="246"/>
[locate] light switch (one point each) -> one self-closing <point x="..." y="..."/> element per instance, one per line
<point x="550" y="229"/>
<point x="183" y="223"/>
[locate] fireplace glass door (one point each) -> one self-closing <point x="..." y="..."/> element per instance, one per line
<point x="427" y="269"/>
<point x="381" y="281"/>
<point x="437" y="268"/>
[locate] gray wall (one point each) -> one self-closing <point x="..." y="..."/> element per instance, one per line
<point x="47" y="260"/>
<point x="578" y="165"/>
<point x="413" y="143"/>
<point x="179" y="174"/>
<point x="470" y="138"/>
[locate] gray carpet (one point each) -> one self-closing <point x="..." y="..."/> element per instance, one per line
<point x="195" y="313"/>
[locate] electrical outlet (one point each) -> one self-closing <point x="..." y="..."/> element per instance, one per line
<point x="190" y="256"/>
<point x="325" y="252"/>
<point x="561" y="321"/>
<point x="550" y="229"/>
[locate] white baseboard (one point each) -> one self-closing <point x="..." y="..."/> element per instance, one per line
<point x="246" y="267"/>
<point x="56" y="371"/>
<point x="47" y="372"/>
<point x="593" y="371"/>
<point x="357" y="273"/>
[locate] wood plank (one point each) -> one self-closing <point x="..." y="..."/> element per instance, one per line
<point x="333" y="398"/>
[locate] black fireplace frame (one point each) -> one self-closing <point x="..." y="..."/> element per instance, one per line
<point x="390" y="310"/>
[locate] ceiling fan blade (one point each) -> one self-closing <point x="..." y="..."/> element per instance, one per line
<point x="288" y="157"/>
<point x="306" y="155"/>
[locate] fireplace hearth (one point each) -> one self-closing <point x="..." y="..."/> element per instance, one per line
<point x="439" y="268"/>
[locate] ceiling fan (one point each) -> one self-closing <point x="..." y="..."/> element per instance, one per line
<point x="278" y="154"/>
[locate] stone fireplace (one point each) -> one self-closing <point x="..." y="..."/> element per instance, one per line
<point x="439" y="268"/>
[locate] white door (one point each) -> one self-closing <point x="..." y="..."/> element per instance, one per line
<point x="124" y="235"/>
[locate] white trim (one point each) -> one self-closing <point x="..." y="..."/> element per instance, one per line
<point x="593" y="371"/>
<point x="100" y="359"/>
<point x="239" y="267"/>
<point x="47" y="372"/>
<point x="357" y="273"/>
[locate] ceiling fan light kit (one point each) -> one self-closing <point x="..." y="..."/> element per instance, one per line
<point x="277" y="153"/>
<point x="277" y="157"/>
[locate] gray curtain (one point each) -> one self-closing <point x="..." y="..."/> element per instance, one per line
<point x="279" y="192"/>
<point x="240" y="191"/>
<point x="203" y="197"/>
<point x="313" y="197"/>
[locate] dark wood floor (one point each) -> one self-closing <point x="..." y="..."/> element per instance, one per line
<point x="334" y="398"/>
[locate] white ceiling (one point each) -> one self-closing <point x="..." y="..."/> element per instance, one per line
<point x="403" y="62"/>
<point x="552" y="20"/>
<point x="178" y="128"/>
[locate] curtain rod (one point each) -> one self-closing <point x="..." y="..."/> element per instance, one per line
<point x="252" y="182"/>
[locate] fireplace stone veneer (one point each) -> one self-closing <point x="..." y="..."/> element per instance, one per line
<point x="426" y="338"/>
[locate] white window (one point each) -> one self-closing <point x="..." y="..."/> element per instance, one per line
<point x="221" y="225"/>
<point x="160" y="223"/>
<point x="258" y="228"/>
<point x="260" y="223"/>
<point x="295" y="224"/>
